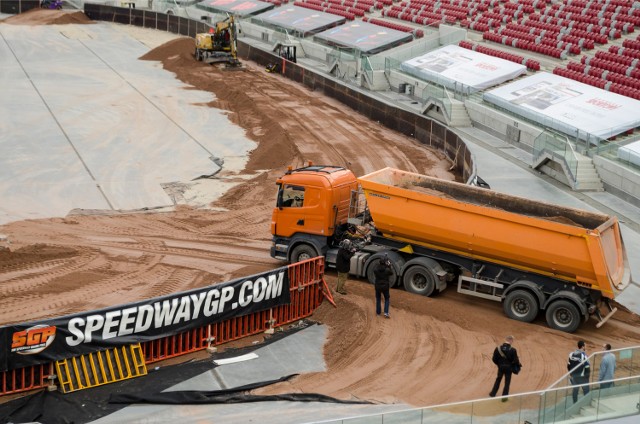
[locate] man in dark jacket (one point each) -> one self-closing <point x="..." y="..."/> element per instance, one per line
<point x="382" y="274"/>
<point x="343" y="263"/>
<point x="580" y="368"/>
<point x="505" y="357"/>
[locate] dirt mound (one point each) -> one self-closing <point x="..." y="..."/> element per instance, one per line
<point x="178" y="52"/>
<point x="48" y="17"/>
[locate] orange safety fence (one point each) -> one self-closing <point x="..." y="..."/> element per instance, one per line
<point x="307" y="290"/>
<point x="176" y="345"/>
<point x="23" y="379"/>
<point x="306" y="286"/>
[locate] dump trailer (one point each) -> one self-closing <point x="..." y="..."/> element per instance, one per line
<point x="531" y="256"/>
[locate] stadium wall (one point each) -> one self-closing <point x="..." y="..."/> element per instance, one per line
<point x="618" y="180"/>
<point x="521" y="133"/>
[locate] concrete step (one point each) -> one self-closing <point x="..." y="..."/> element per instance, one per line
<point x="587" y="178"/>
<point x="580" y="186"/>
<point x="459" y="115"/>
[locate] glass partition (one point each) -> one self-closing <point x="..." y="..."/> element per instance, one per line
<point x="560" y="148"/>
<point x="554" y="405"/>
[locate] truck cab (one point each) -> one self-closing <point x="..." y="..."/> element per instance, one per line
<point x="311" y="206"/>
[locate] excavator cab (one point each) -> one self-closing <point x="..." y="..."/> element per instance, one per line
<point x="219" y="45"/>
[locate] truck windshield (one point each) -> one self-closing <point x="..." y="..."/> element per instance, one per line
<point x="291" y="196"/>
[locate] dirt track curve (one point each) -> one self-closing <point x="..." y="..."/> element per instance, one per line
<point x="432" y="350"/>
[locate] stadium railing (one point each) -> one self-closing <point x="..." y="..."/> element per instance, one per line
<point x="553" y="405"/>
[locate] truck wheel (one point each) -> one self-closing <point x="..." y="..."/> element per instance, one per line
<point x="420" y="280"/>
<point x="302" y="252"/>
<point x="564" y="316"/>
<point x="521" y="306"/>
<point x="396" y="261"/>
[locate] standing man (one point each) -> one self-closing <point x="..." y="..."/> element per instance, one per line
<point x="343" y="264"/>
<point x="382" y="274"/>
<point x="580" y="369"/>
<point x="505" y="357"/>
<point x="607" y="367"/>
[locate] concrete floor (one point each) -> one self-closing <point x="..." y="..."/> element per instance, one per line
<point x="85" y="125"/>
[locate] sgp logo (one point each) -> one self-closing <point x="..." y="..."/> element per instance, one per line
<point x="33" y="340"/>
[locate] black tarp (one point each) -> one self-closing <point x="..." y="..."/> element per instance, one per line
<point x="90" y="404"/>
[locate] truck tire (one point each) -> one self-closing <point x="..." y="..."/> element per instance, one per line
<point x="396" y="260"/>
<point x="302" y="252"/>
<point x="521" y="306"/>
<point x="420" y="280"/>
<point x="564" y="316"/>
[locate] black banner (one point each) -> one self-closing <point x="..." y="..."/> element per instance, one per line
<point x="72" y="335"/>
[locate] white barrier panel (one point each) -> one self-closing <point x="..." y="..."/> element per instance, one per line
<point x="455" y="66"/>
<point x="630" y="153"/>
<point x="568" y="106"/>
<point x="363" y="36"/>
<point x="235" y="7"/>
<point x="299" y="19"/>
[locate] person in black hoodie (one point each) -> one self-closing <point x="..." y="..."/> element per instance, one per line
<point x="505" y="357"/>
<point x="343" y="264"/>
<point x="383" y="274"/>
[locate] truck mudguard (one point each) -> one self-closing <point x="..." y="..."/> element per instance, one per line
<point x="434" y="266"/>
<point x="571" y="296"/>
<point x="529" y="286"/>
<point x="319" y="243"/>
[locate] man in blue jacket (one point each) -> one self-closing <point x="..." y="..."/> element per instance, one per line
<point x="607" y="368"/>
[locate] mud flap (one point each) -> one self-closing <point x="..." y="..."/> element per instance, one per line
<point x="606" y="317"/>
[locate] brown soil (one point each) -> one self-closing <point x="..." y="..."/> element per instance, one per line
<point x="432" y="350"/>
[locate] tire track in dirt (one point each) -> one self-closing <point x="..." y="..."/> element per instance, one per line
<point x="43" y="273"/>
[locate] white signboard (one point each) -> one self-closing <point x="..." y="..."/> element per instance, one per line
<point x="567" y="105"/>
<point x="452" y="64"/>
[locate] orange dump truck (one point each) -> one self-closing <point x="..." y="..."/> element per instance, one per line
<point x="529" y="255"/>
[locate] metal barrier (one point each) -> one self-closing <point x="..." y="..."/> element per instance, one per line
<point x="179" y="344"/>
<point x="24" y="379"/>
<point x="307" y="290"/>
<point x="99" y="368"/>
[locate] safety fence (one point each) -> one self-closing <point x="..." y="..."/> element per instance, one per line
<point x="307" y="290"/>
<point x="18" y="6"/>
<point x="24" y="379"/>
<point x="146" y="19"/>
<point x="306" y="295"/>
